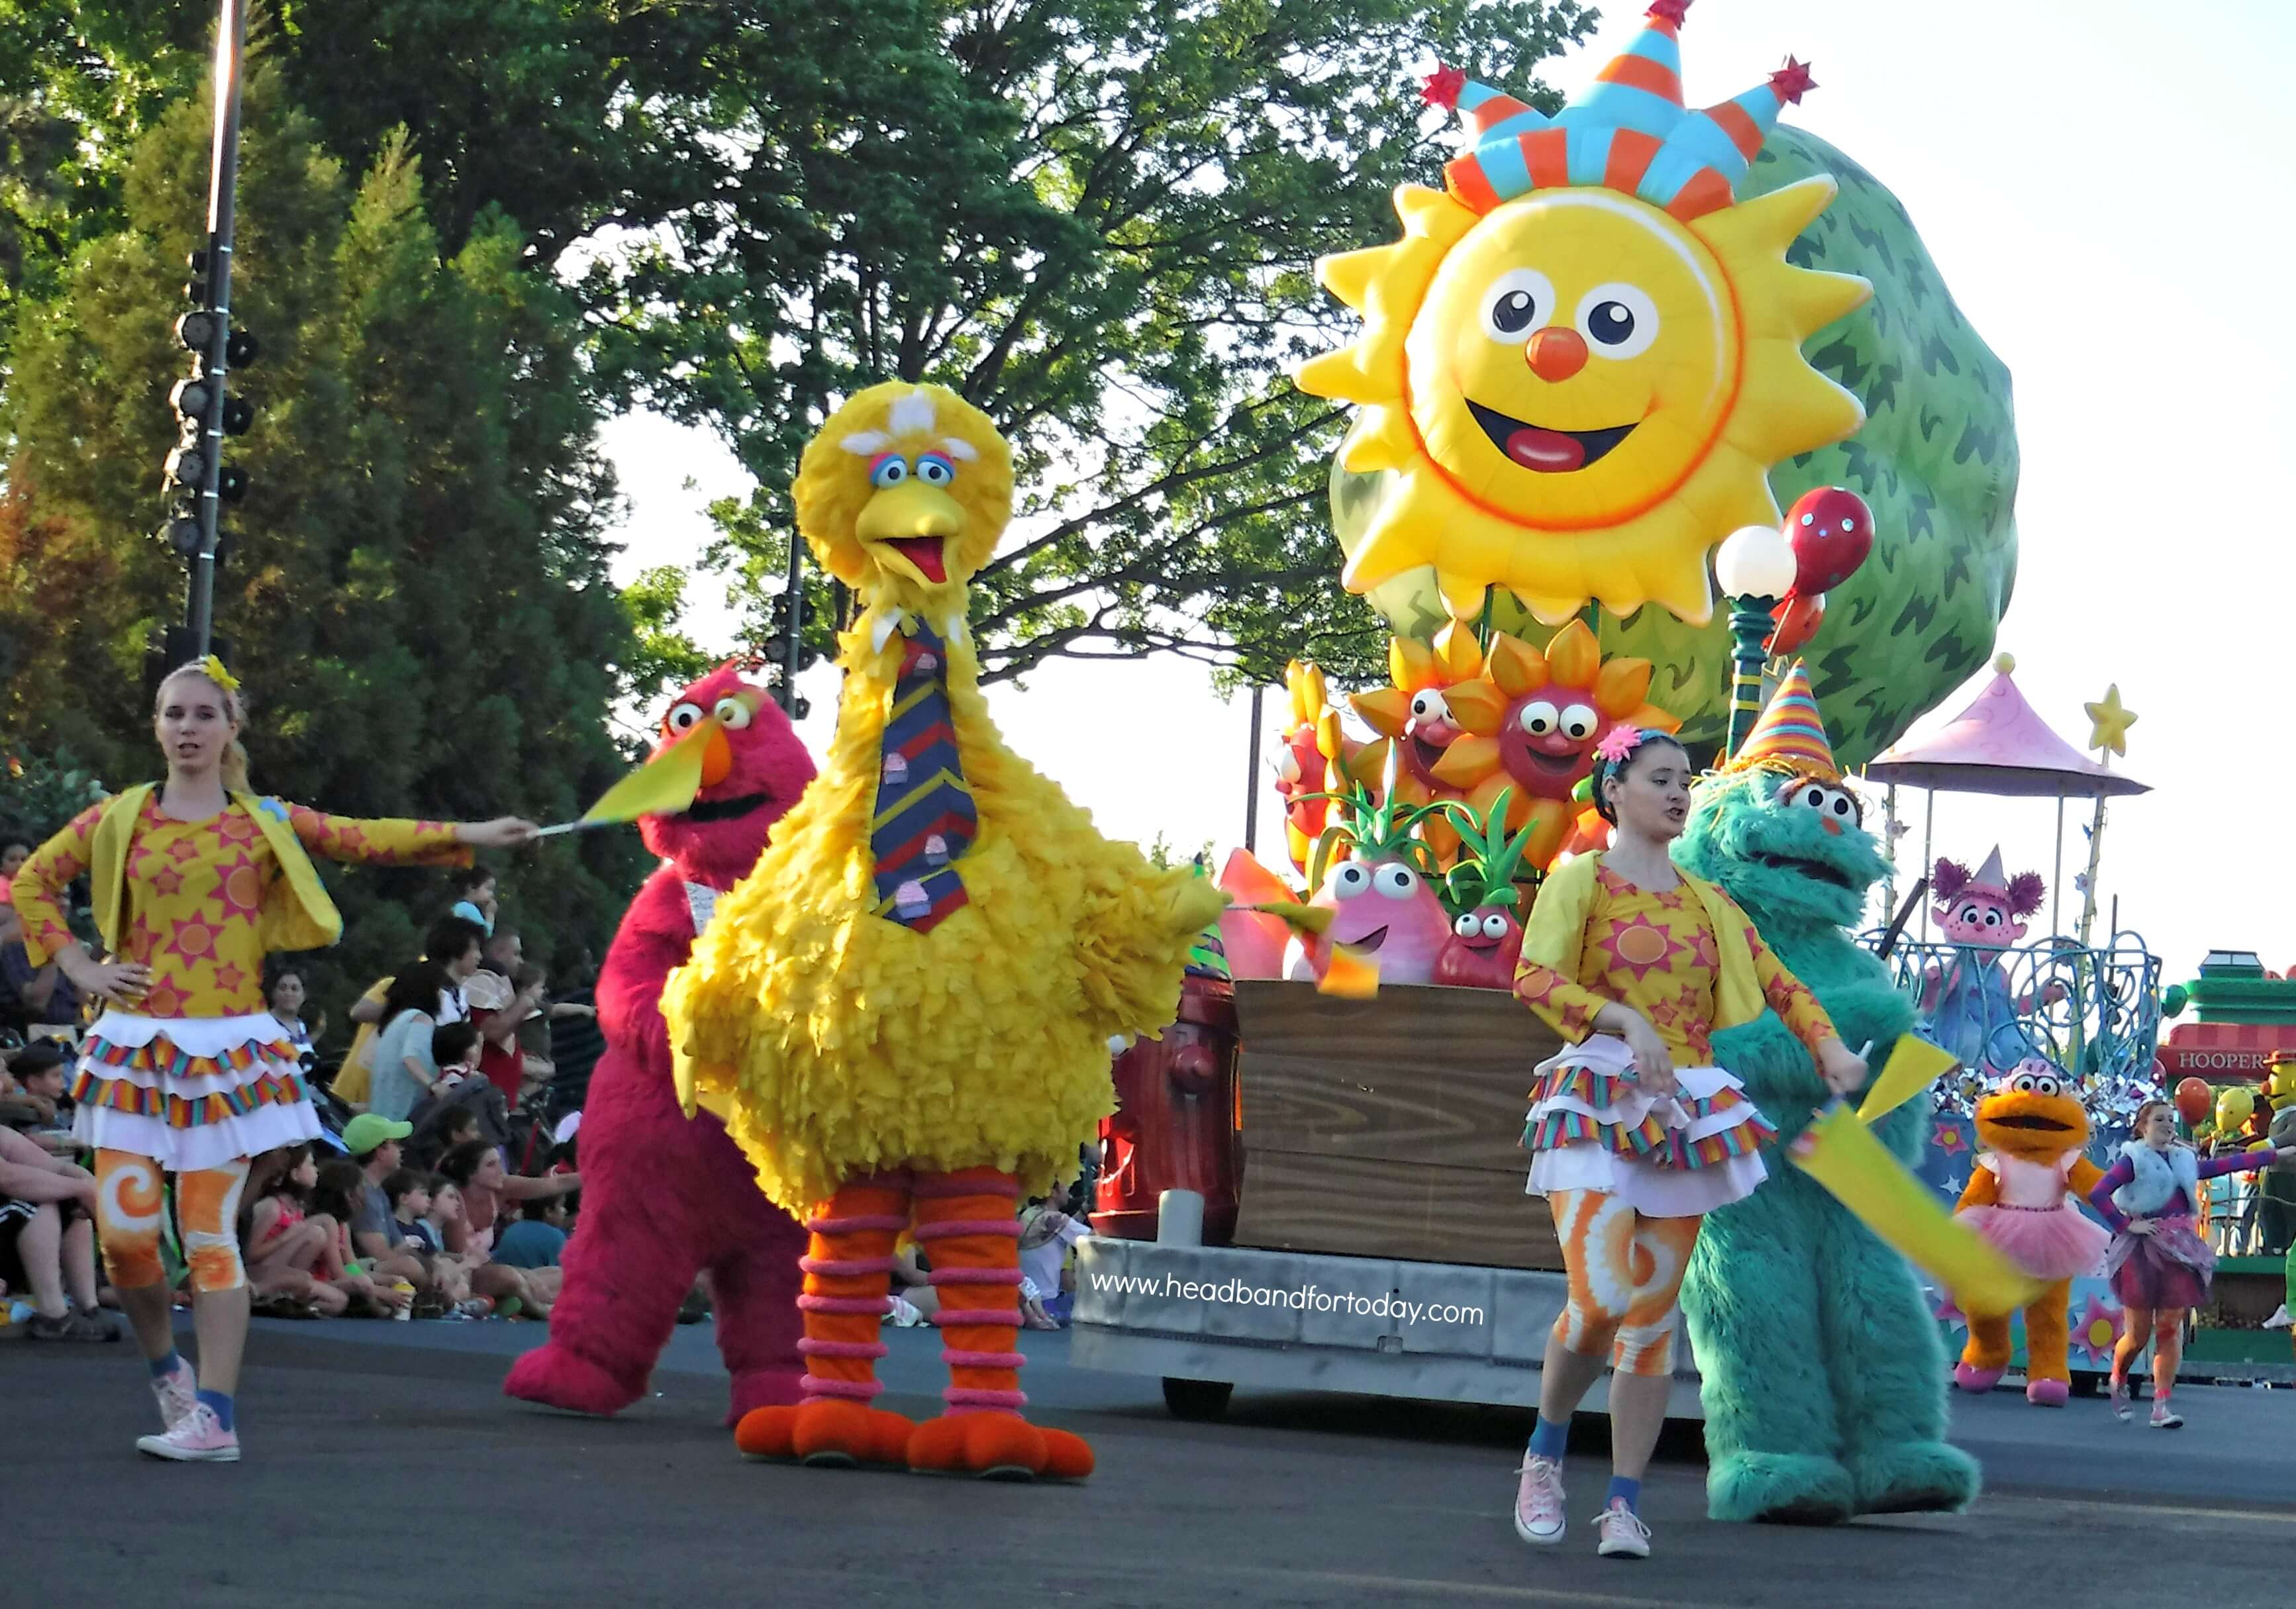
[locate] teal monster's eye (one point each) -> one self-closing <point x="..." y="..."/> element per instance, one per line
<point x="889" y="470"/>
<point x="934" y="470"/>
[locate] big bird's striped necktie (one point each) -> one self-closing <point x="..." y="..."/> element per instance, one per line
<point x="925" y="817"/>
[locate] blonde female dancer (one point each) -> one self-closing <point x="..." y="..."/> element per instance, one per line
<point x="196" y="880"/>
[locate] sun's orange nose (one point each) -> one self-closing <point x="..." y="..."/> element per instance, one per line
<point x="1555" y="354"/>
<point x="716" y="759"/>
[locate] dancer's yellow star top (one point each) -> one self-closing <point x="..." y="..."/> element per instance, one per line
<point x="2109" y="721"/>
<point x="1583" y="356"/>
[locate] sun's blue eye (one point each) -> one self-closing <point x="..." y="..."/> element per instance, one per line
<point x="934" y="469"/>
<point x="889" y="471"/>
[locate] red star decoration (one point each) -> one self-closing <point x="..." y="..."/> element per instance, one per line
<point x="163" y="1000"/>
<point x="230" y="977"/>
<point x="167" y="881"/>
<point x="1792" y="82"/>
<point x="1443" y="85"/>
<point x="1667" y="11"/>
<point x="183" y="850"/>
<point x="1703" y="952"/>
<point x="1613" y="947"/>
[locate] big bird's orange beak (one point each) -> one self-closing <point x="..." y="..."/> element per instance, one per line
<point x="911" y="523"/>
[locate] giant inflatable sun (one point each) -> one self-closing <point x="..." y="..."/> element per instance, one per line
<point x="1582" y="357"/>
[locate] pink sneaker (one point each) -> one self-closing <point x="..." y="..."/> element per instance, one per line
<point x="1621" y="1533"/>
<point x="2165" y="1417"/>
<point x="200" y="1438"/>
<point x="2120" y="1404"/>
<point x="1538" y="1502"/>
<point x="179" y="1391"/>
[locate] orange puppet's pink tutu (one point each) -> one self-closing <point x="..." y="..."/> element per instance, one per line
<point x="1592" y="1127"/>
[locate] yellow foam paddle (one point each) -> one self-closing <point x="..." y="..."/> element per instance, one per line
<point x="1349" y="975"/>
<point x="662" y="786"/>
<point x="1914" y="1065"/>
<point x="1315" y="919"/>
<point x="1843" y="1156"/>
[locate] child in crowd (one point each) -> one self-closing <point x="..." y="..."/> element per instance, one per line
<point x="1046" y="1234"/>
<point x="341" y="1185"/>
<point x="538" y="1238"/>
<point x="408" y="1191"/>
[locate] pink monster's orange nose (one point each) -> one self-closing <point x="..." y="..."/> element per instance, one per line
<point x="1555" y="354"/>
<point x="716" y="759"/>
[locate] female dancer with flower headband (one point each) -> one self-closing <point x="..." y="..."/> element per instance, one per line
<point x="1634" y="1135"/>
<point x="195" y="880"/>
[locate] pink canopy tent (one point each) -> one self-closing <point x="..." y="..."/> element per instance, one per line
<point x="1998" y="745"/>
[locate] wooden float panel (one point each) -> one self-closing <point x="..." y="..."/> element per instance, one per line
<point x="1391" y="1127"/>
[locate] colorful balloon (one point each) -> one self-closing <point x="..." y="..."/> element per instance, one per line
<point x="1798" y="619"/>
<point x="2234" y="1107"/>
<point x="1831" y="531"/>
<point x="1936" y="461"/>
<point x="2194" y="1100"/>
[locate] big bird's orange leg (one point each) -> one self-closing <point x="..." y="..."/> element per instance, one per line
<point x="848" y="1268"/>
<point x="968" y="1230"/>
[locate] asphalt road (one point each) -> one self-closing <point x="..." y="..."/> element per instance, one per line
<point x="384" y="1467"/>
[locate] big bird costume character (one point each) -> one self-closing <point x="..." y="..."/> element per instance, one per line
<point x="903" y="1013"/>
<point x="1583" y="357"/>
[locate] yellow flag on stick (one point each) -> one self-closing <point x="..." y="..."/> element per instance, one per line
<point x="662" y="786"/>
<point x="1843" y="1154"/>
<point x="1914" y="1065"/>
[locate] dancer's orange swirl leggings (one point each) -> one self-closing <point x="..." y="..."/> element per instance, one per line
<point x="1625" y="1279"/>
<point x="129" y="1204"/>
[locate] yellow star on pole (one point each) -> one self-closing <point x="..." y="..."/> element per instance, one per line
<point x="2109" y="721"/>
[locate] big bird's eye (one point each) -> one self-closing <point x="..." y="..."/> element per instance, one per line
<point x="731" y="713"/>
<point x="1579" y="723"/>
<point x="889" y="471"/>
<point x="1396" y="882"/>
<point x="1539" y="718"/>
<point x="683" y="718"/>
<point x="1430" y="705"/>
<point x="1518" y="302"/>
<point x="934" y="470"/>
<point x="1495" y="926"/>
<point x="1617" y="320"/>
<point x="1467" y="927"/>
<point x="1351" y="878"/>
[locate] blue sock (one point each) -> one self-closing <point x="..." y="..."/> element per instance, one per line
<point x="221" y="1405"/>
<point x="165" y="1365"/>
<point x="1622" y="1489"/>
<point x="1550" y="1439"/>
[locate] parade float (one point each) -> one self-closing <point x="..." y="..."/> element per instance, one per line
<point x="1591" y="374"/>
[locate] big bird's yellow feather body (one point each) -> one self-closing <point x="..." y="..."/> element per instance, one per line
<point x="834" y="1040"/>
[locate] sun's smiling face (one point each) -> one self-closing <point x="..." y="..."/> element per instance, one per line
<point x="1578" y="393"/>
<point x="1578" y="350"/>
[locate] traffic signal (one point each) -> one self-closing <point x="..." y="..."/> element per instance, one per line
<point x="778" y="618"/>
<point x="206" y="413"/>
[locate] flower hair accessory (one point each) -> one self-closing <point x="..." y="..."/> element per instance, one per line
<point x="1621" y="742"/>
<point x="212" y="668"/>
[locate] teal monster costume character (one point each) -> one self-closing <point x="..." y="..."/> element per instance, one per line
<point x="1825" y="1380"/>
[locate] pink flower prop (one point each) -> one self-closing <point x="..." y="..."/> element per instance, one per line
<point x="1618" y="743"/>
<point x="2096" y="1329"/>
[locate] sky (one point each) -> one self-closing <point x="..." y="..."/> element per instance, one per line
<point x="2101" y="185"/>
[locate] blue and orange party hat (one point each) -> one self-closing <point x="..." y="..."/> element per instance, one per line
<point x="1788" y="735"/>
<point x="1628" y="131"/>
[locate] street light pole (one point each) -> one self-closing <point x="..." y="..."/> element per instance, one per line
<point x="223" y="183"/>
<point x="1251" y="778"/>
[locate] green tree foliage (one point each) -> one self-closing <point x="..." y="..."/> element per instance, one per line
<point x="417" y="595"/>
<point x="1097" y="219"/>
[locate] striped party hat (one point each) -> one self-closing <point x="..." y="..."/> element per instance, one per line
<point x="1628" y="131"/>
<point x="1788" y="735"/>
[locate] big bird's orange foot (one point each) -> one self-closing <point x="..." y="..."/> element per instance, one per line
<point x="998" y="1446"/>
<point x="827" y="1432"/>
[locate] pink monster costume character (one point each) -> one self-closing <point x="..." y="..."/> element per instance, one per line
<point x="1967" y="1004"/>
<point x="662" y="1198"/>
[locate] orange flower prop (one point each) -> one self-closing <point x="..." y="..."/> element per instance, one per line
<point x="1317" y="759"/>
<point x="1530" y="725"/>
<point x="1413" y="720"/>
